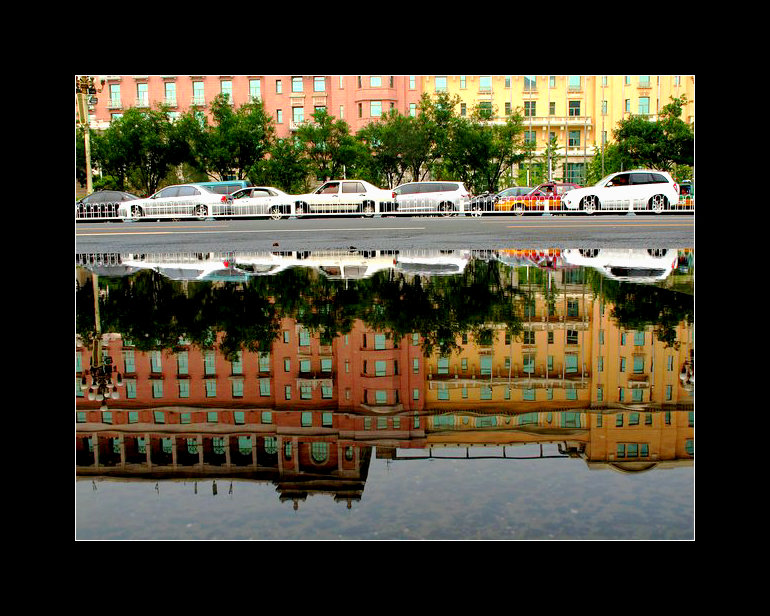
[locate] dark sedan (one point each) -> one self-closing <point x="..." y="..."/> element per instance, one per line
<point x="102" y="204"/>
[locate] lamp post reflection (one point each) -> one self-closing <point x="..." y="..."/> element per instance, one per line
<point x="101" y="369"/>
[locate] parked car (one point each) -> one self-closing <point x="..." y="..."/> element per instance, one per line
<point x="641" y="189"/>
<point x="626" y="264"/>
<point x="181" y="200"/>
<point x="261" y="201"/>
<point x="486" y="201"/>
<point x="102" y="204"/>
<point x="549" y="193"/>
<point x="444" y="197"/>
<point x="344" y="197"/>
<point x="227" y="187"/>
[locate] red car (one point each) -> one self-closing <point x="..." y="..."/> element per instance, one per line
<point x="535" y="201"/>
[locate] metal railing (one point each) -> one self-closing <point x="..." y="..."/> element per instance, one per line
<point x="430" y="207"/>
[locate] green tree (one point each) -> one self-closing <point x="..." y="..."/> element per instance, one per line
<point x="284" y="167"/>
<point x="329" y="148"/>
<point x="234" y="142"/>
<point x="659" y="144"/>
<point x="140" y="148"/>
<point x="478" y="152"/>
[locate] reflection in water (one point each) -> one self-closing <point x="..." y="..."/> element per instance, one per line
<point x="292" y="369"/>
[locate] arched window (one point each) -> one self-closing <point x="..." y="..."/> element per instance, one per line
<point x="319" y="452"/>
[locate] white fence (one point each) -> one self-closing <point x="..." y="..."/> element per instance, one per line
<point x="474" y="207"/>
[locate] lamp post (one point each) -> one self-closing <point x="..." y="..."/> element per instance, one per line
<point x="84" y="88"/>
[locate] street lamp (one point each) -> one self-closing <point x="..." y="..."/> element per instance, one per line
<point x="84" y="88"/>
<point x="102" y="386"/>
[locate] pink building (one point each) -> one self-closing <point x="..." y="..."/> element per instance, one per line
<point x="290" y="99"/>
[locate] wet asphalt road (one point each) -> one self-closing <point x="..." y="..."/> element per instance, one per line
<point x="434" y="233"/>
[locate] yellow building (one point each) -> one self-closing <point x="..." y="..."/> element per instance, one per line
<point x="579" y="111"/>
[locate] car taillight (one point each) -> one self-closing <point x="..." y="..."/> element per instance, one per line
<point x="393" y="195"/>
<point x="676" y="188"/>
<point x="224" y="198"/>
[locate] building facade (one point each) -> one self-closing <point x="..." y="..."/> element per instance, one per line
<point x="579" y="112"/>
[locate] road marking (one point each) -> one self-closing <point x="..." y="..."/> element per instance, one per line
<point x="275" y="231"/>
<point x="625" y="224"/>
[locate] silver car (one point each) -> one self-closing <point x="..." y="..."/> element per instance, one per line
<point x="179" y="201"/>
<point x="445" y="198"/>
<point x="261" y="201"/>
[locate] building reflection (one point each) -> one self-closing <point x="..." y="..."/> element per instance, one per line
<point x="306" y="414"/>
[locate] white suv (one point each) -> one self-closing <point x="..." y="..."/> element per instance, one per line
<point x="446" y="198"/>
<point x="177" y="201"/>
<point x="641" y="189"/>
<point x="344" y="197"/>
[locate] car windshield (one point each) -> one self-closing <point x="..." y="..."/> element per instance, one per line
<point x="604" y="180"/>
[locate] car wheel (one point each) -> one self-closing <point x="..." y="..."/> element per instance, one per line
<point x="590" y="253"/>
<point x="136" y="212"/>
<point x="658" y="203"/>
<point x="368" y="209"/>
<point x="476" y="209"/>
<point x="657" y="252"/>
<point x="201" y="212"/>
<point x="300" y="209"/>
<point x="518" y="208"/>
<point x="275" y="213"/>
<point x="447" y="209"/>
<point x="590" y="204"/>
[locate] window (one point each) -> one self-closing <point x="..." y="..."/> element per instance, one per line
<point x="644" y="105"/>
<point x="574" y="108"/>
<point x="297" y="115"/>
<point x="440" y="84"/>
<point x="319" y="84"/>
<point x="443" y="365"/>
<point x="199" y="97"/>
<point x="574" y="138"/>
<point x="485" y="84"/>
<point x="530" y="82"/>
<point x="255" y="89"/>
<point x="209" y="362"/>
<point x="114" y="95"/>
<point x="141" y="95"/>
<point x="530" y="108"/>
<point x="181" y="363"/>
<point x="170" y="93"/>
<point x="211" y="388"/>
<point x="379" y="368"/>
<point x="264" y="387"/>
<point x="574" y="82"/>
<point x="278" y="86"/>
<point x="184" y="388"/>
<point x="375" y="82"/>
<point x="226" y="88"/>
<point x="375" y="109"/>
<point x="296" y="84"/>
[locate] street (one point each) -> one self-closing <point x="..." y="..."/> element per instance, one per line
<point x="632" y="231"/>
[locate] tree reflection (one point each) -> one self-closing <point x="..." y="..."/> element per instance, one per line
<point x="155" y="312"/>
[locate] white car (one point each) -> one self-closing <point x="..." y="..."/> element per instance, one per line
<point x="446" y="198"/>
<point x="181" y="200"/>
<point x="261" y="201"/>
<point x="641" y="189"/>
<point x="344" y="197"/>
<point x="626" y="264"/>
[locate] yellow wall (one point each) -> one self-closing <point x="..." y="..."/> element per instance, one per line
<point x="591" y="122"/>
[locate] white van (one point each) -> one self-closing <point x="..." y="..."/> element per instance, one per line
<point x="445" y="198"/>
